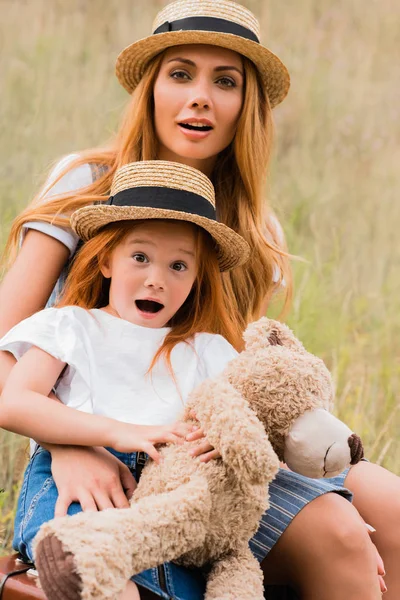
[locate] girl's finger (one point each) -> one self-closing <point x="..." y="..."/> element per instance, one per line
<point x="152" y="452"/>
<point x="210" y="456"/>
<point x="195" y="435"/>
<point x="173" y="439"/>
<point x="181" y="429"/>
<point x="201" y="449"/>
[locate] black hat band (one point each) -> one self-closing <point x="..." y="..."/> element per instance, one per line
<point x="207" y="24"/>
<point x="165" y="199"/>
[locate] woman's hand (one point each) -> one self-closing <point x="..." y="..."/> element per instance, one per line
<point x="204" y="451"/>
<point x="91" y="476"/>
<point x="143" y="438"/>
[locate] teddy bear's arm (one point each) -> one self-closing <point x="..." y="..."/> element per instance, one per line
<point x="233" y="428"/>
<point x="237" y="575"/>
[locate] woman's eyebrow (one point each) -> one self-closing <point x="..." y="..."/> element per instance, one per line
<point x="186" y="61"/>
<point x="183" y="60"/>
<point x="229" y="68"/>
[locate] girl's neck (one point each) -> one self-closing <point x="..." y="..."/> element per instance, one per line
<point x="205" y="165"/>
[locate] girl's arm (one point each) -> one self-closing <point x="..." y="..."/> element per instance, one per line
<point x="26" y="409"/>
<point x="28" y="284"/>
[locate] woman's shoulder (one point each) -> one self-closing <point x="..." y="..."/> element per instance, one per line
<point x="75" y="178"/>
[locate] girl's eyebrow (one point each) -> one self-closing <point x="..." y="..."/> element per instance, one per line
<point x="186" y="61"/>
<point x="140" y="241"/>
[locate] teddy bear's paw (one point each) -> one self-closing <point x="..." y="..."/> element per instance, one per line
<point x="57" y="571"/>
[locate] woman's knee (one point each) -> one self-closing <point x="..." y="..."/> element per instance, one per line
<point x="328" y="529"/>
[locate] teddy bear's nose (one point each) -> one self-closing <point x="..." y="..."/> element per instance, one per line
<point x="356" y="449"/>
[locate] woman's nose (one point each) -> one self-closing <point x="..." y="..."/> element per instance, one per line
<point x="200" y="102"/>
<point x="200" y="94"/>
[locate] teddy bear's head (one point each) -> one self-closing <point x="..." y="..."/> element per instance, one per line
<point x="283" y="383"/>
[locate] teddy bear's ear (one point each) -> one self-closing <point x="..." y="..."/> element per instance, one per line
<point x="274" y="339"/>
<point x="266" y="332"/>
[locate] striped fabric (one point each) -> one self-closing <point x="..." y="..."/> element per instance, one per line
<point x="289" y="493"/>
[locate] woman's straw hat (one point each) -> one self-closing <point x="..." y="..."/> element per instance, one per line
<point x="215" y="22"/>
<point x="157" y="189"/>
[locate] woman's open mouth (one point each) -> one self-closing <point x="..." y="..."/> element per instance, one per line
<point x="195" y="127"/>
<point x="195" y="130"/>
<point x="149" y="307"/>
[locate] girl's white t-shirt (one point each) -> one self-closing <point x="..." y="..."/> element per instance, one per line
<point x="108" y="360"/>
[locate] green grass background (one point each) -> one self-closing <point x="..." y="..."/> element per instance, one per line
<point x="334" y="183"/>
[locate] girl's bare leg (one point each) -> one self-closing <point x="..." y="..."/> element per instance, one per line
<point x="325" y="554"/>
<point x="377" y="498"/>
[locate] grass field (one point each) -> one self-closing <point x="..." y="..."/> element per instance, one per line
<point x="334" y="184"/>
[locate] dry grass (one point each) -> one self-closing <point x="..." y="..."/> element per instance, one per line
<point x="334" y="184"/>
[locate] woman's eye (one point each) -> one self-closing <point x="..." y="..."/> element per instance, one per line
<point x="180" y="75"/>
<point x="179" y="266"/>
<point x="227" y="82"/>
<point x="141" y="258"/>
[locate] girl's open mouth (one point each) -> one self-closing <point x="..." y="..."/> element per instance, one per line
<point x="149" y="306"/>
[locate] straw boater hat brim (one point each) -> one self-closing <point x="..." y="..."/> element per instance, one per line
<point x="214" y="22"/>
<point x="163" y="190"/>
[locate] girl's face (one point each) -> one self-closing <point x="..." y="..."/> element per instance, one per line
<point x="152" y="272"/>
<point x="198" y="96"/>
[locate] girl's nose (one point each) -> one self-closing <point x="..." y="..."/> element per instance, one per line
<point x="155" y="280"/>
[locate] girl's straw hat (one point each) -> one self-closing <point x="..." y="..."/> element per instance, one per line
<point x="157" y="189"/>
<point x="215" y="22"/>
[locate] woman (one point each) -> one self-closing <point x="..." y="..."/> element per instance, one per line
<point x="204" y="88"/>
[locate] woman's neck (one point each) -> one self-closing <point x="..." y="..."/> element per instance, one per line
<point x="205" y="165"/>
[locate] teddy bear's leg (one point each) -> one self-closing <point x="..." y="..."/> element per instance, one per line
<point x="91" y="556"/>
<point x="236" y="576"/>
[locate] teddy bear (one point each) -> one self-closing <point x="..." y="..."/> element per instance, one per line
<point x="270" y="404"/>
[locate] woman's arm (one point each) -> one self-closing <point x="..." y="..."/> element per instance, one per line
<point x="28" y="284"/>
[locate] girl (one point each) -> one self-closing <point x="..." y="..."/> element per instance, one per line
<point x="139" y="326"/>
<point x="203" y="97"/>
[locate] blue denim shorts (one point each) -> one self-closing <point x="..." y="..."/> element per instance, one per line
<point x="289" y="493"/>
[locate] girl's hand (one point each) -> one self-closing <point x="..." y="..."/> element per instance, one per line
<point x="142" y="438"/>
<point x="205" y="451"/>
<point x="91" y="476"/>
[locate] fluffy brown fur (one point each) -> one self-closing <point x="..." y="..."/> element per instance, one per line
<point x="187" y="511"/>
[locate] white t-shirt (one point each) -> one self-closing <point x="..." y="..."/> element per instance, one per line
<point x="108" y="359"/>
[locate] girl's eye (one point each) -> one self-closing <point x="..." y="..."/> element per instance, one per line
<point x="139" y="257"/>
<point x="179" y="266"/>
<point x="227" y="82"/>
<point x="182" y="75"/>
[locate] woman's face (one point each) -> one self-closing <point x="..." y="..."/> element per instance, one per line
<point x="198" y="96"/>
